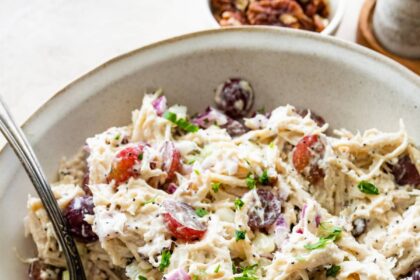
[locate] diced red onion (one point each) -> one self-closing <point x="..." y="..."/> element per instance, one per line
<point x="281" y="222"/>
<point x="317" y="220"/>
<point x="177" y="274"/>
<point x="171" y="188"/>
<point x="160" y="105"/>
<point x="210" y="117"/>
<point x="300" y="230"/>
<point x="281" y="231"/>
<point x="303" y="213"/>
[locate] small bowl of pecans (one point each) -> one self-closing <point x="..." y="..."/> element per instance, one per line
<point x="323" y="16"/>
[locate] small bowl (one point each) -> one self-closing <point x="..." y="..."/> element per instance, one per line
<point x="337" y="8"/>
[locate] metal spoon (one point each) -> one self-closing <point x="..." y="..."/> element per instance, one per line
<point x="26" y="155"/>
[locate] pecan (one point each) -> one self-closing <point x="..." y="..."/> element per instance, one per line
<point x="319" y="23"/>
<point x="221" y="6"/>
<point x="313" y="7"/>
<point x="270" y="12"/>
<point x="232" y="18"/>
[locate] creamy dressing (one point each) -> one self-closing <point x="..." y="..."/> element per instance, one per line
<point x="132" y="232"/>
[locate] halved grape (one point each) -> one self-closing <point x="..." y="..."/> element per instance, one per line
<point x="235" y="97"/>
<point x="306" y="155"/>
<point x="405" y="172"/>
<point x="125" y="163"/>
<point x="264" y="211"/>
<point x="182" y="221"/>
<point x="75" y="213"/>
<point x="171" y="158"/>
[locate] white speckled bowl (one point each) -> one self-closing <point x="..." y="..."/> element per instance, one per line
<point x="337" y="8"/>
<point x="350" y="86"/>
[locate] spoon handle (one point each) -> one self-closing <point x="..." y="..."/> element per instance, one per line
<point x="26" y="155"/>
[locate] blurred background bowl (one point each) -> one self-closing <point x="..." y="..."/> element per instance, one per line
<point x="337" y="9"/>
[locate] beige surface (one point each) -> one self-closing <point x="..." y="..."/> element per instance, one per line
<point x="45" y="44"/>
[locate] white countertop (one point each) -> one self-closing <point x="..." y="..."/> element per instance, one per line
<point x="46" y="44"/>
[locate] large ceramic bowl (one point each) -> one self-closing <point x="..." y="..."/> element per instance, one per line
<point x="350" y="86"/>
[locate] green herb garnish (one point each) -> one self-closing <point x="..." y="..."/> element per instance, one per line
<point x="250" y="181"/>
<point x="117" y="137"/>
<point x="263" y="179"/>
<point x="240" y="235"/>
<point x="261" y="110"/>
<point x="234" y="269"/>
<point x="239" y="203"/>
<point x="201" y="212"/>
<point x="153" y="199"/>
<point x="65" y="275"/>
<point x="191" y="161"/>
<point x="165" y="261"/>
<point x="215" y="187"/>
<point x="195" y="277"/>
<point x="248" y="273"/>
<point x="333" y="270"/>
<point x="181" y="123"/>
<point x="140" y="156"/>
<point x="141" y="278"/>
<point x="271" y="145"/>
<point x="216" y="270"/>
<point x="366" y="187"/>
<point x="196" y="172"/>
<point x="332" y="234"/>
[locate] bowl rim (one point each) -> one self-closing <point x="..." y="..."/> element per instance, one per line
<point x="398" y="68"/>
<point x="330" y="29"/>
<point x="335" y="22"/>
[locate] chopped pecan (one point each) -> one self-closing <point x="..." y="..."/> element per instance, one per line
<point x="270" y="12"/>
<point x="232" y="18"/>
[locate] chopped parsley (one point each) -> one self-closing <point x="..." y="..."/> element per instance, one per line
<point x="333" y="270"/>
<point x="66" y="275"/>
<point x="263" y="179"/>
<point x="196" y="172"/>
<point x="140" y="156"/>
<point x="215" y="187"/>
<point x="216" y="270"/>
<point x="141" y="278"/>
<point x="181" y="123"/>
<point x="240" y="235"/>
<point x="117" y="137"/>
<point x="195" y="277"/>
<point x="248" y="273"/>
<point x="271" y="145"/>
<point x="332" y="233"/>
<point x="234" y="269"/>
<point x="165" y="261"/>
<point x="153" y="199"/>
<point x="201" y="212"/>
<point x="251" y="183"/>
<point x="239" y="203"/>
<point x="261" y="110"/>
<point x="366" y="187"/>
<point x="191" y="161"/>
